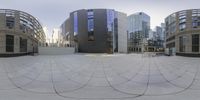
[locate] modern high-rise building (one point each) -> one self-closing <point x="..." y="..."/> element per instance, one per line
<point x="96" y="31"/>
<point x="156" y="39"/>
<point x="183" y="33"/>
<point x="138" y="31"/>
<point x="20" y="33"/>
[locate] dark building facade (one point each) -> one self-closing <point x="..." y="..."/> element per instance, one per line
<point x="183" y="33"/>
<point x="96" y="31"/>
<point x="20" y="33"/>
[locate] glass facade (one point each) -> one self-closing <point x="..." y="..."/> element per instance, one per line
<point x="90" y="15"/>
<point x="75" y="23"/>
<point x="170" y="24"/>
<point x="111" y="37"/>
<point x="110" y="20"/>
<point x="138" y="31"/>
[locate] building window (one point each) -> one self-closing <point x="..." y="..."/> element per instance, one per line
<point x="182" y="21"/>
<point x="182" y="43"/>
<point x="90" y="15"/>
<point x="10" y="22"/>
<point x="182" y="26"/>
<point x="195" y="18"/>
<point x="24" y="25"/>
<point x="23" y="45"/>
<point x="182" y="14"/>
<point x="195" y="43"/>
<point x="75" y="23"/>
<point x="9" y="43"/>
<point x="110" y="20"/>
<point x="131" y="35"/>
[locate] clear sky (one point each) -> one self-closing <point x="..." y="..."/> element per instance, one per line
<point x="51" y="13"/>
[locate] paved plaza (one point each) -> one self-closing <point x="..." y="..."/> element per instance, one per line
<point x="100" y="77"/>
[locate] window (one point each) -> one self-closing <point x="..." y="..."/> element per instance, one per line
<point x="172" y="28"/>
<point x="195" y="43"/>
<point x="91" y="36"/>
<point x="23" y="45"/>
<point x="75" y="23"/>
<point x="10" y="22"/>
<point x="182" y="21"/>
<point x="194" y="24"/>
<point x="131" y="35"/>
<point x="110" y="20"/>
<point x="182" y="14"/>
<point x="195" y="18"/>
<point x="182" y="43"/>
<point x="9" y="43"/>
<point x="90" y="14"/>
<point x="90" y="24"/>
<point x="182" y="26"/>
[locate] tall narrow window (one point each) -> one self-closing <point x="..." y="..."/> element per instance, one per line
<point x="110" y="30"/>
<point x="195" y="43"/>
<point x="182" y="43"/>
<point x="10" y="22"/>
<point x="23" y="45"/>
<point x="110" y="19"/>
<point x="90" y="15"/>
<point x="75" y="23"/>
<point x="9" y="43"/>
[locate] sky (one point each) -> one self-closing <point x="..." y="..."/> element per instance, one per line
<point x="52" y="13"/>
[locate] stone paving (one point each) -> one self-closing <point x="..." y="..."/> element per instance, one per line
<point x="100" y="77"/>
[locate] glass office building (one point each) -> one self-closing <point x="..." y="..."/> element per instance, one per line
<point x="138" y="31"/>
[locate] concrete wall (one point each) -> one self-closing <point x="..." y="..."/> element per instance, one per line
<point x="55" y="51"/>
<point x="122" y="33"/>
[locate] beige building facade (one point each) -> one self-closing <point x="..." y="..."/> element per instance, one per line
<point x="20" y="33"/>
<point x="183" y="33"/>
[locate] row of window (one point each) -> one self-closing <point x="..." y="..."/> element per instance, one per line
<point x="182" y="15"/>
<point x="10" y="44"/>
<point x="24" y="25"/>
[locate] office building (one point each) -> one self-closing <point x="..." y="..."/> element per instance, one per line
<point x="96" y="31"/>
<point x="183" y="33"/>
<point x="20" y="33"/>
<point x="138" y="31"/>
<point x="156" y="39"/>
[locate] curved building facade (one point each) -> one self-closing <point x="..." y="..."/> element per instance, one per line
<point x="183" y="33"/>
<point x="96" y="31"/>
<point x="20" y="33"/>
